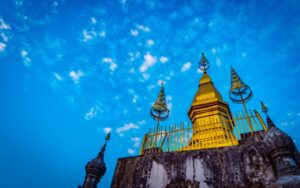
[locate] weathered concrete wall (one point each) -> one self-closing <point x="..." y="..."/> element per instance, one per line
<point x="246" y="165"/>
<point x="226" y="167"/>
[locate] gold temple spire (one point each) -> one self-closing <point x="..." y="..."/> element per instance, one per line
<point x="210" y="115"/>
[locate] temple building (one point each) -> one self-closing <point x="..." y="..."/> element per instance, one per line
<point x="218" y="148"/>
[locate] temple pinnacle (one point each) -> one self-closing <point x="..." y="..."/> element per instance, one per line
<point x="204" y="63"/>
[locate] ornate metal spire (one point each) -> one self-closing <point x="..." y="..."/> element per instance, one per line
<point x="204" y="63"/>
<point x="159" y="110"/>
<point x="265" y="110"/>
<point x="240" y="93"/>
<point x="95" y="168"/>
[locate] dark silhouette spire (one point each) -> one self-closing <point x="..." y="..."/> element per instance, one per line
<point x="95" y="168"/>
<point x="265" y="110"/>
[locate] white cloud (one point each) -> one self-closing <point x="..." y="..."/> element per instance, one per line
<point x="26" y="59"/>
<point x="150" y="42"/>
<point x="111" y="62"/>
<point x="130" y="151"/>
<point x="2" y="47"/>
<point x="4" y="37"/>
<point x="57" y="76"/>
<point x="127" y="127"/>
<point x="134" y="32"/>
<point x="131" y="91"/>
<point x="88" y="35"/>
<point x="146" y="76"/>
<point x="213" y="50"/>
<point x="142" y="122"/>
<point x="170" y="106"/>
<point x="134" y="56"/>
<point x="143" y="28"/>
<point x="135" y="98"/>
<point x="218" y="62"/>
<point x="199" y="70"/>
<point x="186" y="66"/>
<point x="107" y="130"/>
<point x="163" y="59"/>
<point x="169" y="97"/>
<point x="136" y="141"/>
<point x="102" y="34"/>
<point x="93" y="112"/>
<point x="76" y="75"/>
<point x="148" y="62"/>
<point x="3" y="25"/>
<point x="151" y="87"/>
<point x="93" y="20"/>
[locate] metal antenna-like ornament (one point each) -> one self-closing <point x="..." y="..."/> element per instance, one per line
<point x="240" y="93"/>
<point x="204" y="63"/>
<point x="159" y="110"/>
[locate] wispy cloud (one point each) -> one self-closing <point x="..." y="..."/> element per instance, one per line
<point x="76" y="75"/>
<point x="126" y="127"/>
<point x="93" y="20"/>
<point x="148" y="62"/>
<point x="4" y="37"/>
<point x="111" y="62"/>
<point x="93" y="112"/>
<point x="88" y="35"/>
<point x="130" y="151"/>
<point x="26" y="59"/>
<point x="136" y="141"/>
<point x="107" y="130"/>
<point x="163" y="59"/>
<point x="186" y="66"/>
<point x="3" y="25"/>
<point x="2" y="47"/>
<point x="57" y="76"/>
<point x="143" y="28"/>
<point x="134" y="32"/>
<point x="150" y="42"/>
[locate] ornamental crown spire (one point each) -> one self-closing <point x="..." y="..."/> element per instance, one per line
<point x="159" y="110"/>
<point x="239" y="91"/>
<point x="204" y="63"/>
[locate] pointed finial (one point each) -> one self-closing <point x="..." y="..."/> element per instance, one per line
<point x="204" y="63"/>
<point x="239" y="92"/>
<point x="264" y="108"/>
<point x="159" y="110"/>
<point x="107" y="136"/>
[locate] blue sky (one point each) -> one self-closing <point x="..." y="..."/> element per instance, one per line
<point x="71" y="70"/>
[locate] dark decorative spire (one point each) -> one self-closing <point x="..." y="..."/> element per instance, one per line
<point x="95" y="168"/>
<point x="265" y="110"/>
